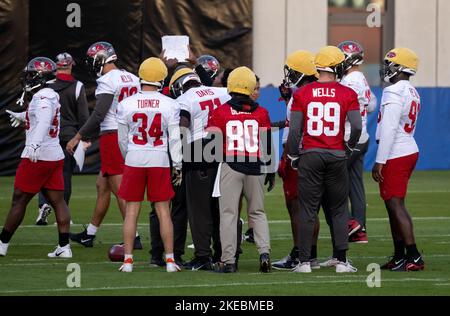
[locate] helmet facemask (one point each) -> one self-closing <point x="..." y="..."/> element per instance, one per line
<point x="390" y="70"/>
<point x="292" y="77"/>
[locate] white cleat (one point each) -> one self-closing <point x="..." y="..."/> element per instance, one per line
<point x="330" y="263"/>
<point x="44" y="212"/>
<point x="304" y="267"/>
<point x="283" y="261"/>
<point x="61" y="252"/>
<point x="3" y="249"/>
<point x="345" y="267"/>
<point x="171" y="266"/>
<point x="127" y="266"/>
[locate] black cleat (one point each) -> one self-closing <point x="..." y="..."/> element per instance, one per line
<point x="249" y="236"/>
<point x="196" y="264"/>
<point x="394" y="262"/>
<point x="221" y="267"/>
<point x="83" y="238"/>
<point x="399" y="265"/>
<point x="414" y="264"/>
<point x="157" y="262"/>
<point x="179" y="261"/>
<point x="264" y="263"/>
<point x="137" y="243"/>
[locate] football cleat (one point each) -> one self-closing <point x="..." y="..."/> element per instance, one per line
<point x="61" y="252"/>
<point x="44" y="212"/>
<point x="287" y="263"/>
<point x="83" y="239"/>
<point x="304" y="267"/>
<point x="330" y="263"/>
<point x="137" y="243"/>
<point x="3" y="249"/>
<point x="415" y="264"/>
<point x="345" y="267"/>
<point x="353" y="227"/>
<point x="221" y="267"/>
<point x="359" y="237"/>
<point x="127" y="266"/>
<point x="157" y="262"/>
<point x="196" y="264"/>
<point x="315" y="264"/>
<point x="264" y="263"/>
<point x="394" y="262"/>
<point x="171" y="266"/>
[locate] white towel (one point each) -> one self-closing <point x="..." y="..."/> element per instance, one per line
<point x="216" y="191"/>
<point x="79" y="154"/>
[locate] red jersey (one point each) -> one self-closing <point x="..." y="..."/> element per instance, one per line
<point x="324" y="107"/>
<point x="241" y="130"/>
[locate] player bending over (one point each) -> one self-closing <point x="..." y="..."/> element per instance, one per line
<point x="398" y="153"/>
<point x="42" y="162"/>
<point x="148" y="125"/>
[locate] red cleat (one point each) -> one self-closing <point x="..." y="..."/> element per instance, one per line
<point x="359" y="238"/>
<point x="353" y="227"/>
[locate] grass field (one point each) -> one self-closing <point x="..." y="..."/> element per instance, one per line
<point x="27" y="271"/>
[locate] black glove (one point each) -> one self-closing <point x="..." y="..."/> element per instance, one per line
<point x="349" y="151"/>
<point x="285" y="91"/>
<point x="270" y="179"/>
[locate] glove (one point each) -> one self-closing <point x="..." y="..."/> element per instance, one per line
<point x="285" y="91"/>
<point x="15" y="118"/>
<point x="349" y="151"/>
<point x="177" y="177"/>
<point x="33" y="152"/>
<point x="270" y="179"/>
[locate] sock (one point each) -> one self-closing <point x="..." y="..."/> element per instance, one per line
<point x="5" y="236"/>
<point x="314" y="252"/>
<point x="91" y="229"/>
<point x="335" y="253"/>
<point x="341" y="255"/>
<point x="128" y="257"/>
<point x="169" y="256"/>
<point x="412" y="252"/>
<point x="63" y="239"/>
<point x="399" y="248"/>
<point x="137" y="234"/>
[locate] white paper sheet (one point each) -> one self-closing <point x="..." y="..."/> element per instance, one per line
<point x="79" y="154"/>
<point x="176" y="47"/>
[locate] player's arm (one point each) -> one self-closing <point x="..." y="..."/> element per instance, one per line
<point x="175" y="147"/>
<point x="267" y="155"/>
<point x="123" y="138"/>
<point x="90" y="128"/>
<point x="354" y="117"/>
<point x="372" y="106"/>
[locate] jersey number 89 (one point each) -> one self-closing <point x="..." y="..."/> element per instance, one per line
<point x="318" y="114"/>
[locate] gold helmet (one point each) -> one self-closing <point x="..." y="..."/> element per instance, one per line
<point x="242" y="80"/>
<point x="330" y="59"/>
<point x="397" y="61"/>
<point x="298" y="65"/>
<point x="152" y="72"/>
<point x="180" y="78"/>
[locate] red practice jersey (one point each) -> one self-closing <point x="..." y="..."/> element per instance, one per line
<point x="324" y="107"/>
<point x="241" y="130"/>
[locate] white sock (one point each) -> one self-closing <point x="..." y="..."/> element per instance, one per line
<point x="169" y="256"/>
<point x="91" y="229"/>
<point x="137" y="234"/>
<point x="128" y="257"/>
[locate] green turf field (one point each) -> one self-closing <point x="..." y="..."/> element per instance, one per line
<point x="27" y="271"/>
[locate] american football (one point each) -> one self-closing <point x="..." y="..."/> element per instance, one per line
<point x="116" y="253"/>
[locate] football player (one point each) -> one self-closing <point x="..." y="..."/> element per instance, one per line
<point x="197" y="102"/>
<point x="113" y="85"/>
<point x="245" y="130"/>
<point x="299" y="71"/>
<point x="355" y="79"/>
<point x="42" y="162"/>
<point x="319" y="111"/>
<point x="148" y="130"/>
<point x="398" y="153"/>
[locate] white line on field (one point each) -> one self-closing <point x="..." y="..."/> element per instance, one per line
<point x="233" y="284"/>
<point x="442" y="284"/>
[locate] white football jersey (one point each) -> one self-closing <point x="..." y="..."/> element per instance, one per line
<point x="42" y="121"/>
<point x="400" y="107"/>
<point x="150" y="116"/>
<point x="357" y="81"/>
<point x="288" y="117"/>
<point x="121" y="84"/>
<point x="199" y="102"/>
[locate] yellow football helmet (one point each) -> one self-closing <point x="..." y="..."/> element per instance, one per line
<point x="397" y="61"/>
<point x="298" y="65"/>
<point x="153" y="71"/>
<point x="242" y="80"/>
<point x="330" y="59"/>
<point x="180" y="78"/>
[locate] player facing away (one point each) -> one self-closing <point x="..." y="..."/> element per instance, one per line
<point x="398" y="153"/>
<point x="319" y="111"/>
<point x="113" y="85"/>
<point x="299" y="71"/>
<point x="244" y="128"/>
<point x="148" y="131"/>
<point x="196" y="103"/>
<point x="42" y="162"/>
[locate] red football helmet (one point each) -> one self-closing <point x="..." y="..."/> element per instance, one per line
<point x="64" y="60"/>
<point x="354" y="54"/>
<point x="38" y="72"/>
<point x="98" y="55"/>
<point x="210" y="64"/>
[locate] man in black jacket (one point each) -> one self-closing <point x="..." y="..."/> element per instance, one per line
<point x="74" y="113"/>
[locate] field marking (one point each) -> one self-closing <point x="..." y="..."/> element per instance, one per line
<point x="232" y="284"/>
<point x="442" y="284"/>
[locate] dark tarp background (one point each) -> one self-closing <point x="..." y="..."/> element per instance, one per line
<point x="134" y="27"/>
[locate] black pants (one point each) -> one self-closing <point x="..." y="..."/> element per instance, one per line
<point x="179" y="219"/>
<point x="69" y="167"/>
<point x="203" y="210"/>
<point x="322" y="179"/>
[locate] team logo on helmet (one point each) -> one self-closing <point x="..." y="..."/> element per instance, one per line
<point x="391" y="55"/>
<point x="40" y="65"/>
<point x="351" y="48"/>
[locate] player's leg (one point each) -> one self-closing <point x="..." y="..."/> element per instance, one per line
<point x="129" y="233"/>
<point x="179" y="220"/>
<point x="69" y="167"/>
<point x="157" y="246"/>
<point x="114" y="184"/>
<point x="397" y="238"/>
<point x="86" y="237"/>
<point x="254" y="193"/>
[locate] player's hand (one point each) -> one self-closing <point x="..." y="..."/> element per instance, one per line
<point x="349" y="151"/>
<point x="285" y="91"/>
<point x="177" y="177"/>
<point x="170" y="63"/>
<point x="72" y="144"/>
<point x="270" y="179"/>
<point x="377" y="172"/>
<point x="294" y="161"/>
<point x="15" y="118"/>
<point x="192" y="59"/>
<point x="33" y="151"/>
